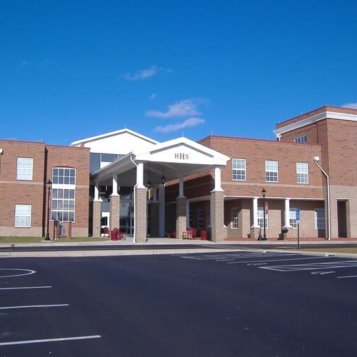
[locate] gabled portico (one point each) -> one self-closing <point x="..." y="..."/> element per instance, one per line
<point x="147" y="171"/>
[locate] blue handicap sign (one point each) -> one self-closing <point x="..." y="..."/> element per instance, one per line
<point x="298" y="214"/>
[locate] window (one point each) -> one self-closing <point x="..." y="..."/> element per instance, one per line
<point x="292" y="218"/>
<point x="271" y="171"/>
<point x="63" y="204"/>
<point x="301" y="139"/>
<point x="24" y="168"/>
<point x="319" y="218"/>
<point x="234" y="218"/>
<point x="302" y="172"/>
<point x="239" y="169"/>
<point x="23" y="216"/>
<point x="63" y="176"/>
<point x="200" y="219"/>
<point x="63" y="194"/>
<point x="191" y="218"/>
<point x="261" y="218"/>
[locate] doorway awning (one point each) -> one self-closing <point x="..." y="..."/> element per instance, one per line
<point x="169" y="160"/>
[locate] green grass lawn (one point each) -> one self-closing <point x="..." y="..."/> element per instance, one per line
<point x="40" y="239"/>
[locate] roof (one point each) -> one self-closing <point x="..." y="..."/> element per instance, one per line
<point x="326" y="112"/>
<point x="113" y="133"/>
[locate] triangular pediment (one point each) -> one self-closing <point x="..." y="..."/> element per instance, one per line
<point x="117" y="142"/>
<point x="183" y="151"/>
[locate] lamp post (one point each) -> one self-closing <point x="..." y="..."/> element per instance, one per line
<point x="49" y="187"/>
<point x="264" y="223"/>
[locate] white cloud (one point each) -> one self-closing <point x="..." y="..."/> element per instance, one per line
<point x="188" y="123"/>
<point x="145" y="73"/>
<point x="142" y="74"/>
<point x="350" y="105"/>
<point x="183" y="108"/>
<point x="152" y="96"/>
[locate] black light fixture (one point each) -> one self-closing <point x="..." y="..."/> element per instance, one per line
<point x="49" y="187"/>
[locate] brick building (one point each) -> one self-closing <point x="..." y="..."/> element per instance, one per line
<point x="229" y="187"/>
<point x="25" y="167"/>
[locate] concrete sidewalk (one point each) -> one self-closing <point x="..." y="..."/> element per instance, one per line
<point x="176" y="242"/>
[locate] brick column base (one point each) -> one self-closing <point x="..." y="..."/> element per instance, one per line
<point x="97" y="216"/>
<point x="114" y="211"/>
<point x="181" y="221"/>
<point x="140" y="215"/>
<point x="218" y="231"/>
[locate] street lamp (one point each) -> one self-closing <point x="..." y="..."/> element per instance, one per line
<point x="264" y="223"/>
<point x="49" y="187"/>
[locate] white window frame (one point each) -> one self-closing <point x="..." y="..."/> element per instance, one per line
<point x="234" y="218"/>
<point x="239" y="169"/>
<point x="23" y="216"/>
<point x="292" y="218"/>
<point x="302" y="173"/>
<point x="63" y="195"/>
<point x="261" y="218"/>
<point x="320" y="218"/>
<point x="271" y="171"/>
<point x="24" y="168"/>
<point x="301" y="139"/>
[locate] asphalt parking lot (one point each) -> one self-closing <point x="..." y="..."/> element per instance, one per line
<point x="217" y="304"/>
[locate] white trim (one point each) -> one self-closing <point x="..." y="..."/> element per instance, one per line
<point x="313" y="119"/>
<point x="113" y="133"/>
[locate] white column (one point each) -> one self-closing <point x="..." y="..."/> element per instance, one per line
<point x="255" y="212"/>
<point x="181" y="187"/>
<point x="115" y="186"/>
<point x="287" y="213"/>
<point x="96" y="192"/>
<point x="217" y="179"/>
<point x="162" y="210"/>
<point x="140" y="175"/>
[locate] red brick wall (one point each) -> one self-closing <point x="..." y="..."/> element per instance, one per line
<point x="78" y="158"/>
<point x="256" y="152"/>
<point x="13" y="191"/>
<point x="337" y="139"/>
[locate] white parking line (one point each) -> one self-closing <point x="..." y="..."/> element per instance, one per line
<point x="30" y="306"/>
<point x="230" y="256"/>
<point x="277" y="260"/>
<point x="347" y="276"/>
<point x="25" y="342"/>
<point x="322" y="272"/>
<point x="27" y="287"/>
<point x="313" y="266"/>
<point x="26" y="272"/>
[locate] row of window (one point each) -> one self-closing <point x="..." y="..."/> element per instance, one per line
<point x="63" y="200"/>
<point x="239" y="171"/>
<point x="319" y="218"/>
<point x="61" y="176"/>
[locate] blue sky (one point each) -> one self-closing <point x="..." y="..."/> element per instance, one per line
<point x="74" y="69"/>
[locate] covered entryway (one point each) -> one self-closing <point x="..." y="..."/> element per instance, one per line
<point x="145" y="174"/>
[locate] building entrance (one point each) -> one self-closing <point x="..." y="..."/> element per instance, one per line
<point x="127" y="211"/>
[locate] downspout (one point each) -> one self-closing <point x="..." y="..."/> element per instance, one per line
<point x="134" y="190"/>
<point x="316" y="161"/>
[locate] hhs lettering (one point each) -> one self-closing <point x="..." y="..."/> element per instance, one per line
<point x="181" y="156"/>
